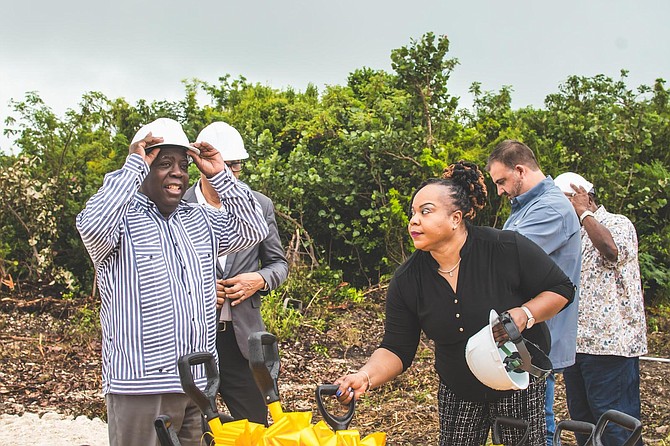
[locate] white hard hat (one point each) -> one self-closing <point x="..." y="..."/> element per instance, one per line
<point x="225" y="139"/>
<point x="563" y="182"/>
<point x="487" y="361"/>
<point x="168" y="129"/>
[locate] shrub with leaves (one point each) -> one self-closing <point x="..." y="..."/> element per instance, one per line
<point x="31" y="208"/>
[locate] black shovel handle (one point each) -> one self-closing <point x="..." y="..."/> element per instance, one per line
<point x="206" y="401"/>
<point x="338" y="423"/>
<point x="264" y="364"/>
<point x="578" y="427"/>
<point x="624" y="420"/>
<point x="166" y="435"/>
<point x="509" y="422"/>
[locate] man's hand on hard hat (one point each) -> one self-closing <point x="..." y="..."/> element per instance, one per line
<point x="520" y="319"/>
<point x="580" y="199"/>
<point x="209" y="160"/>
<point x="140" y="146"/>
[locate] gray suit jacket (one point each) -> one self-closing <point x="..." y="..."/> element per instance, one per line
<point x="267" y="258"/>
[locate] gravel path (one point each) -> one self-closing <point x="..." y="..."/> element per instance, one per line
<point x="52" y="429"/>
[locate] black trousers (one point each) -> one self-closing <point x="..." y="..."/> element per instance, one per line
<point x="238" y="388"/>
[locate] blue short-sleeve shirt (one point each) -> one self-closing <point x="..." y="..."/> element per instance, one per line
<point x="546" y="216"/>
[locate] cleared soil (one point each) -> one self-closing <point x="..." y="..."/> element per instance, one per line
<point x="48" y="365"/>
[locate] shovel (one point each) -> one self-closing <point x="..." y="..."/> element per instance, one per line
<point x="340" y="424"/>
<point x="496" y="436"/>
<point x="265" y="367"/>
<point x="288" y="428"/>
<point x="595" y="433"/>
<point x="166" y="435"/>
<point x="206" y="401"/>
<point x="294" y="428"/>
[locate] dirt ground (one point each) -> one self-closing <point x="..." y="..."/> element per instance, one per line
<point x="46" y="366"/>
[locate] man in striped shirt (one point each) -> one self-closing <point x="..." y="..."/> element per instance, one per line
<point x="155" y="260"/>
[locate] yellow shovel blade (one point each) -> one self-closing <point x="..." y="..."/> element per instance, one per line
<point x="348" y="438"/>
<point x="375" y="439"/>
<point x="289" y="429"/>
<point x="276" y="411"/>
<point x="238" y="433"/>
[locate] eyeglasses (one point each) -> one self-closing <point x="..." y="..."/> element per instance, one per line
<point x="235" y="166"/>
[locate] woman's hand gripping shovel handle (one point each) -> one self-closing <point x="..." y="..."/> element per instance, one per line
<point x="338" y="423"/>
<point x="265" y="367"/>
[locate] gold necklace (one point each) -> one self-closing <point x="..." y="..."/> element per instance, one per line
<point x="451" y="271"/>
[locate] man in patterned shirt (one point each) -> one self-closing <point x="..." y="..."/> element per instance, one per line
<point x="155" y="261"/>
<point x="611" y="334"/>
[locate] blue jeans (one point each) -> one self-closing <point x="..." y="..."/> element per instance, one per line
<point x="597" y="383"/>
<point x="549" y="408"/>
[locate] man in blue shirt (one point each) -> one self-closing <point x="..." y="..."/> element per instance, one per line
<point x="541" y="212"/>
<point x="155" y="261"/>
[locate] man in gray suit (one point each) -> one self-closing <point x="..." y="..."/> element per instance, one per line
<point x="241" y="280"/>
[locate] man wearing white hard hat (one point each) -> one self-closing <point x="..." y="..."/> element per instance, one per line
<point x="612" y="329"/>
<point x="155" y="261"/>
<point x="242" y="279"/>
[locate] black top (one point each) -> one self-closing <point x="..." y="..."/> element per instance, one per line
<point x="499" y="270"/>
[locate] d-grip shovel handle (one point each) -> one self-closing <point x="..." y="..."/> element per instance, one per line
<point x="206" y="401"/>
<point x="578" y="427"/>
<point x="509" y="422"/>
<point x="166" y="435"/>
<point x="337" y="423"/>
<point x="624" y="420"/>
<point x="264" y="364"/>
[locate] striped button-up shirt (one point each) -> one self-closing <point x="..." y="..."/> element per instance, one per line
<point x="157" y="276"/>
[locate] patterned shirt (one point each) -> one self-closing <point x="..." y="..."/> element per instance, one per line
<point x="157" y="276"/>
<point x="544" y="215"/>
<point x="611" y="309"/>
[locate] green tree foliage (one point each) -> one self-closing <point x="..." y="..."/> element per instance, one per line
<point x="619" y="138"/>
<point x="340" y="164"/>
<point x="423" y="70"/>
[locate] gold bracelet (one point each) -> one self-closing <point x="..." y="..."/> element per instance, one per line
<point x="368" y="377"/>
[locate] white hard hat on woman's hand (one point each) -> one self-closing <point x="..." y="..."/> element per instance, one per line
<point x="506" y="367"/>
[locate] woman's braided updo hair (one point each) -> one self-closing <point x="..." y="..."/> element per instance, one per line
<point x="469" y="193"/>
<point x="466" y="187"/>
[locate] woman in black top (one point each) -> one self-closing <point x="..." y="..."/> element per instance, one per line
<point x="458" y="273"/>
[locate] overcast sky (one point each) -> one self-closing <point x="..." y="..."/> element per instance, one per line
<point x="144" y="49"/>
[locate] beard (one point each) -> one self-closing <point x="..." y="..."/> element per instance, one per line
<point x="518" y="187"/>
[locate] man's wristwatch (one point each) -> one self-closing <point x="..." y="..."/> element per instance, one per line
<point x="584" y="215"/>
<point x="531" y="319"/>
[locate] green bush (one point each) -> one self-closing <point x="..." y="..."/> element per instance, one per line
<point x="341" y="165"/>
